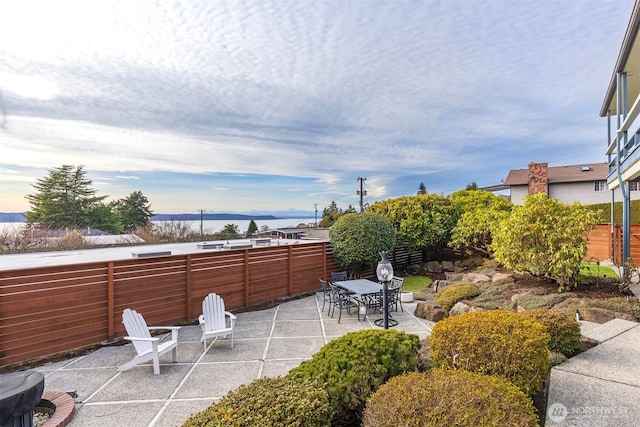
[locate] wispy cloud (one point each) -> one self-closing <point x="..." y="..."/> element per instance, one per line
<point x="304" y="95"/>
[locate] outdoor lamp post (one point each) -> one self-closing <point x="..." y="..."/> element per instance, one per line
<point x="384" y="271"/>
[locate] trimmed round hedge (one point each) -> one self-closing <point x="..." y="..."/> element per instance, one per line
<point x="350" y="368"/>
<point x="268" y="402"/>
<point x="449" y="398"/>
<point x="447" y="297"/>
<point x="563" y="329"/>
<point x="497" y="342"/>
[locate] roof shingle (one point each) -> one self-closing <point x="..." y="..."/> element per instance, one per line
<point x="558" y="174"/>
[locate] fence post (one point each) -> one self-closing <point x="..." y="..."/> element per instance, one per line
<point x="290" y="278"/>
<point x="246" y="277"/>
<point x="324" y="260"/>
<point x="111" y="315"/>
<point x="188" y="288"/>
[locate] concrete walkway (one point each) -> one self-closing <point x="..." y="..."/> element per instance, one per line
<point x="267" y="343"/>
<point x="601" y="386"/>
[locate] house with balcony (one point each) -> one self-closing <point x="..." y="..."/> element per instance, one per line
<point x="583" y="183"/>
<point x="621" y="107"/>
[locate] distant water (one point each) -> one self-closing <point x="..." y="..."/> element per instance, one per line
<point x="211" y="226"/>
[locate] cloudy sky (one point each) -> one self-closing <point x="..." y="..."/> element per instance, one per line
<point x="275" y="105"/>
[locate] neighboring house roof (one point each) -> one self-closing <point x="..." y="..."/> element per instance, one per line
<point x="559" y="174"/>
<point x="498" y="187"/>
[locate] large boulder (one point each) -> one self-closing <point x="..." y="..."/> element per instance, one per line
<point x="462" y="307"/>
<point x="501" y="278"/>
<point x="454" y="277"/>
<point x="438" y="285"/>
<point x="449" y="266"/>
<point x="433" y="267"/>
<point x="430" y="311"/>
<point x="596" y="314"/>
<point x="476" y="278"/>
<point x="489" y="272"/>
<point x="602" y="315"/>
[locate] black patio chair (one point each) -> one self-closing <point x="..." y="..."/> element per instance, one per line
<point x="343" y="301"/>
<point x="338" y="276"/>
<point x="397" y="284"/>
<point x="327" y="295"/>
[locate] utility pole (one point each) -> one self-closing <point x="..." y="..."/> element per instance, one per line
<point x="315" y="205"/>
<point x="201" y="221"/>
<point x="361" y="192"/>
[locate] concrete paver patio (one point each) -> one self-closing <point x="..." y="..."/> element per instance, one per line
<point x="267" y="343"/>
<point x="598" y="387"/>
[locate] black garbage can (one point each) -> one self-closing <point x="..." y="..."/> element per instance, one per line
<point x="20" y="392"/>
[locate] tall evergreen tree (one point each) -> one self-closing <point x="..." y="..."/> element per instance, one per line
<point x="134" y="211"/>
<point x="330" y="214"/>
<point x="253" y="227"/>
<point x="472" y="186"/>
<point x="230" y="231"/>
<point x="64" y="198"/>
<point x="422" y="189"/>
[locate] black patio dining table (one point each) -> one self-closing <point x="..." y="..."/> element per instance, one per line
<point x="361" y="287"/>
<point x="370" y="294"/>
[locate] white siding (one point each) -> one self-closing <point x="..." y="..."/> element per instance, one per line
<point x="518" y="193"/>
<point x="583" y="192"/>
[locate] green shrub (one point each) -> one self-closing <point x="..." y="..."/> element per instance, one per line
<point x="354" y="365"/>
<point x="267" y="402"/>
<point x="545" y="238"/>
<point x="496" y="342"/>
<point x="358" y="238"/>
<point x="563" y="329"/>
<point x="448" y="398"/>
<point x="450" y="295"/>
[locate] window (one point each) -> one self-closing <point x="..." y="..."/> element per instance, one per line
<point x="633" y="186"/>
<point x="600" y="185"/>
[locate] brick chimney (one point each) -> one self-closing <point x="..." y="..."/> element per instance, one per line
<point x="538" y="178"/>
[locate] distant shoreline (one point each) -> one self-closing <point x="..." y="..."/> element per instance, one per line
<point x="207" y="217"/>
<point x="19" y="217"/>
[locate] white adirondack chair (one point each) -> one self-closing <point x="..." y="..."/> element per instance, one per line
<point x="147" y="347"/>
<point x="214" y="320"/>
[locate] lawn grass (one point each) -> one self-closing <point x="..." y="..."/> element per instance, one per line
<point x="588" y="269"/>
<point x="415" y="283"/>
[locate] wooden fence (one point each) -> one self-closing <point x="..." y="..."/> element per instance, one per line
<point x="603" y="241"/>
<point x="48" y="310"/>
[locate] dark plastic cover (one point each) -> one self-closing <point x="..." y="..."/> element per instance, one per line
<point x="20" y="392"/>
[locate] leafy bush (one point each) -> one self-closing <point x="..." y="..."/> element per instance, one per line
<point x="480" y="213"/>
<point x="497" y="342"/>
<point x="358" y="238"/>
<point x="267" y="402"/>
<point x="450" y="295"/>
<point x="448" y="398"/>
<point x="423" y="221"/>
<point x="353" y="366"/>
<point x="545" y="238"/>
<point x="563" y="329"/>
